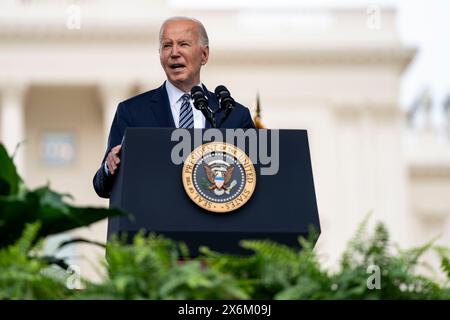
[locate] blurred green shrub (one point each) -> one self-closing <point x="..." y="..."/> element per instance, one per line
<point x="154" y="267"/>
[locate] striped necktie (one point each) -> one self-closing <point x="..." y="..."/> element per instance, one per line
<point x="186" y="114"/>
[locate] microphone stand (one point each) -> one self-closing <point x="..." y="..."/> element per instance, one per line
<point x="226" y="114"/>
<point x="210" y="115"/>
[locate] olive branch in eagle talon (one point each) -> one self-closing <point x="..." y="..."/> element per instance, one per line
<point x="219" y="179"/>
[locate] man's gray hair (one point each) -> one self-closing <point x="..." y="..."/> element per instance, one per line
<point x="201" y="29"/>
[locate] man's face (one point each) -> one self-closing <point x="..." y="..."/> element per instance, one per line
<point x="182" y="54"/>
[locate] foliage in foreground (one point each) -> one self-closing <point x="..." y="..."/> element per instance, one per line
<point x="22" y="275"/>
<point x="19" y="206"/>
<point x="154" y="267"/>
<point x="26" y="218"/>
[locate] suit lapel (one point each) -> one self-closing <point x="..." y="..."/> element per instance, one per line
<point x="161" y="108"/>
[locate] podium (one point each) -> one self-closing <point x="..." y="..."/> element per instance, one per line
<point x="149" y="186"/>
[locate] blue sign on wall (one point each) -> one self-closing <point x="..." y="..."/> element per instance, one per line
<point x="58" y="148"/>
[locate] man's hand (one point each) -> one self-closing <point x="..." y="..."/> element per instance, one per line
<point x="113" y="160"/>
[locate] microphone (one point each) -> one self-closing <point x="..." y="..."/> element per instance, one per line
<point x="226" y="102"/>
<point x="201" y="103"/>
<point x="199" y="99"/>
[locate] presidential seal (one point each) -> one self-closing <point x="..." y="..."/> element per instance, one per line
<point x="219" y="177"/>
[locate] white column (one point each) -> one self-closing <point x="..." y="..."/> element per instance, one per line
<point x="111" y="95"/>
<point x="372" y="174"/>
<point x="12" y="124"/>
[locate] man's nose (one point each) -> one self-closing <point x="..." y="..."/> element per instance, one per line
<point x="174" y="52"/>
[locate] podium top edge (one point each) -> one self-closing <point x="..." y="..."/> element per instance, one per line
<point x="204" y="129"/>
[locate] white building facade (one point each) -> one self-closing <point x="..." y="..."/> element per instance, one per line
<point x="65" y="65"/>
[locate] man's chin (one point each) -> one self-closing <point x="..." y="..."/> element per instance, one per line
<point x="179" y="82"/>
<point x="178" y="79"/>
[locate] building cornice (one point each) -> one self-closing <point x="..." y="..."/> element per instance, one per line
<point x="431" y="170"/>
<point x="399" y="57"/>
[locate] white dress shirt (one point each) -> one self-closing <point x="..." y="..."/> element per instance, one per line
<point x="175" y="102"/>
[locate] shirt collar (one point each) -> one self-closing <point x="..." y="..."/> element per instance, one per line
<point x="174" y="93"/>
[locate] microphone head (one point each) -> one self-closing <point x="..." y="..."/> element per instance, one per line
<point x="198" y="98"/>
<point x="196" y="89"/>
<point x="221" y="92"/>
<point x="226" y="102"/>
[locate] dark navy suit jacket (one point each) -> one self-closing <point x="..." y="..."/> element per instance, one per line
<point x="152" y="109"/>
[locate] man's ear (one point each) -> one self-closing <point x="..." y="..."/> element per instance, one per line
<point x="205" y="55"/>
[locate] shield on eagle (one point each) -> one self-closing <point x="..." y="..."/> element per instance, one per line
<point x="219" y="174"/>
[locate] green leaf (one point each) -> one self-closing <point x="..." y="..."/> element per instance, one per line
<point x="445" y="264"/>
<point x="23" y="276"/>
<point x="49" y="208"/>
<point x="9" y="179"/>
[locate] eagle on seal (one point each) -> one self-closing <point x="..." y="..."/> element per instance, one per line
<point x="219" y="179"/>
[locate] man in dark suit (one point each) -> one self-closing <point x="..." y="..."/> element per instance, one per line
<point x="184" y="49"/>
